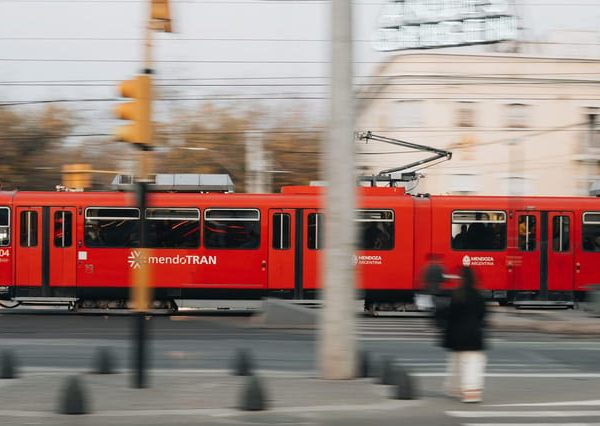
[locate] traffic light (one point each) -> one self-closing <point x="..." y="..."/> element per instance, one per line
<point x="160" y="11"/>
<point x="139" y="111"/>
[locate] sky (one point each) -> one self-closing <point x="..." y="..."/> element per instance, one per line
<point x="267" y="51"/>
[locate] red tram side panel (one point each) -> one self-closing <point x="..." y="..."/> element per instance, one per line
<point x="86" y="245"/>
<point x="541" y="248"/>
<point x="472" y="231"/>
<point x="7" y="224"/>
<point x="385" y="256"/>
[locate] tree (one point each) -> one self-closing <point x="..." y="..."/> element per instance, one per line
<point x="30" y="144"/>
<point x="213" y="140"/>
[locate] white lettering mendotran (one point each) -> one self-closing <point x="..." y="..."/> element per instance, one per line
<point x="182" y="260"/>
<point x="136" y="259"/>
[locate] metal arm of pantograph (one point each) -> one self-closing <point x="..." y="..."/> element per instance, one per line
<point x="439" y="153"/>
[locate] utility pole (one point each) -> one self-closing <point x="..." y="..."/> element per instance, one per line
<point x="593" y="146"/>
<point x="337" y="338"/>
<point x="255" y="164"/>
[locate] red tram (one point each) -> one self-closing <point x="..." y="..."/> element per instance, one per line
<point x="245" y="246"/>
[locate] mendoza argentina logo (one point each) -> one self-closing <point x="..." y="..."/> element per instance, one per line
<point x="136" y="259"/>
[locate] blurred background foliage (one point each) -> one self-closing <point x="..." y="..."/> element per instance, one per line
<point x="36" y="143"/>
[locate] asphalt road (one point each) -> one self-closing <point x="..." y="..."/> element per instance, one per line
<point x="210" y="341"/>
<point x="523" y="368"/>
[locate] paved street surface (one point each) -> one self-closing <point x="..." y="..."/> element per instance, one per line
<point x="532" y="378"/>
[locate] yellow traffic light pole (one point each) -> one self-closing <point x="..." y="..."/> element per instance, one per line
<point x="140" y="133"/>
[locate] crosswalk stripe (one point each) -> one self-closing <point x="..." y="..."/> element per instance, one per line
<point x="498" y="414"/>
<point x="488" y="365"/>
<point x="394" y="338"/>
<point x="552" y="404"/>
<point x="392" y="333"/>
<point x="521" y="375"/>
<point x="531" y="424"/>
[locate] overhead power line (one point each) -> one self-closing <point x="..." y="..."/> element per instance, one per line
<point x="239" y="40"/>
<point x="306" y="62"/>
<point x="269" y="2"/>
<point x="511" y="82"/>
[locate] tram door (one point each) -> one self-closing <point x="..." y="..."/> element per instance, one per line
<point x="282" y="249"/>
<point x="312" y="247"/>
<point x="28" y="247"/>
<point x="45" y="249"/>
<point x="560" y="253"/>
<point x="524" y="265"/>
<point x="63" y="250"/>
<point x="543" y="259"/>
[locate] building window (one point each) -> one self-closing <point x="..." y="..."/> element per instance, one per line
<point x="408" y="113"/>
<point x="63" y="229"/>
<point x="231" y="228"/>
<point x="4" y="226"/>
<point x="315" y="231"/>
<point x="592" y="135"/>
<point x="376" y="229"/>
<point x="464" y="183"/>
<point x="515" y="184"/>
<point x="478" y="230"/>
<point x="465" y="114"/>
<point x="172" y="228"/>
<point x="591" y="231"/>
<point x="517" y="116"/>
<point x="29" y="229"/>
<point x="112" y="227"/>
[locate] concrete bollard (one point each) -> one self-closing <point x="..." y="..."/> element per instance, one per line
<point x="72" y="398"/>
<point x="242" y="364"/>
<point x="386" y="376"/>
<point x="363" y="369"/>
<point x="404" y="385"/>
<point x="9" y="365"/>
<point x="103" y="361"/>
<point x="253" y="397"/>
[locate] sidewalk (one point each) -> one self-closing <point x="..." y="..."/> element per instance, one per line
<point x="560" y="321"/>
<point x="192" y="397"/>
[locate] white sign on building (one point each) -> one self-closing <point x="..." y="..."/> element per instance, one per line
<point x="429" y="24"/>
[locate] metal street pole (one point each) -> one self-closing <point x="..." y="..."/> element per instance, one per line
<point x="141" y="294"/>
<point x="337" y="339"/>
<point x="159" y="19"/>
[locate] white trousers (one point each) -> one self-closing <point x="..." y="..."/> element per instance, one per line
<point x="465" y="371"/>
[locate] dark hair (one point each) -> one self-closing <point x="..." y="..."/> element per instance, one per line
<point x="468" y="277"/>
<point x="468" y="287"/>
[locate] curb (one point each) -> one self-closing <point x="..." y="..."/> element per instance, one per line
<point x="589" y="328"/>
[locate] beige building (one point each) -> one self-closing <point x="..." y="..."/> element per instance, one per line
<point x="515" y="124"/>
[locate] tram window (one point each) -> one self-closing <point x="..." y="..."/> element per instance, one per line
<point x="560" y="233"/>
<point x="111" y="227"/>
<point x="478" y="230"/>
<point x="231" y="228"/>
<point x="527" y="233"/>
<point x="63" y="229"/>
<point x="376" y="229"/>
<point x="281" y="231"/>
<point x="315" y="231"/>
<point x="591" y="231"/>
<point x="4" y="226"/>
<point x="172" y="228"/>
<point x="29" y="229"/>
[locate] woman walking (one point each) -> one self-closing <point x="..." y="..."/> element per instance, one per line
<point x="464" y="338"/>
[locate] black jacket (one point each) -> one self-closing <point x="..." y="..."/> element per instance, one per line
<point x="433" y="277"/>
<point x="465" y="321"/>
